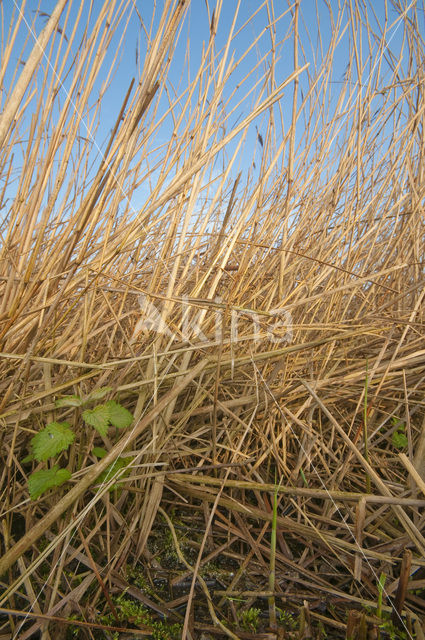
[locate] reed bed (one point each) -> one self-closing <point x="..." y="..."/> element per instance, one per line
<point x="264" y="325"/>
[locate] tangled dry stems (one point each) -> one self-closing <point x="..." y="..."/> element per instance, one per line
<point x="329" y="228"/>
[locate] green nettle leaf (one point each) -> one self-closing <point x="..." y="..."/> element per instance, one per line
<point x="41" y="481"/>
<point x="98" y="418"/>
<point x="54" y="438"/>
<point x="98" y="394"/>
<point x="119" y="416"/>
<point x="399" y="440"/>
<point x="99" y="452"/>
<point x="105" y="414"/>
<point x="69" y="401"/>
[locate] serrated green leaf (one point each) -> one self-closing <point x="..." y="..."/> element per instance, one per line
<point x="99" y="452"/>
<point x="69" y="401"/>
<point x="41" y="481"/>
<point x="98" y="418"/>
<point x="28" y="458"/>
<point x="399" y="440"/>
<point x="98" y="394"/>
<point x="54" y="438"/>
<point x="119" y="416"/>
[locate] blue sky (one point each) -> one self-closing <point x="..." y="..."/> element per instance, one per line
<point x="240" y="93"/>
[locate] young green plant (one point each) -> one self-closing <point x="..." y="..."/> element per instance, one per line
<point x="56" y="437"/>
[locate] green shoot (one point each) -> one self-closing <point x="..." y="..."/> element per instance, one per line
<point x="381" y="585"/>
<point x="249" y="619"/>
<point x="304" y="479"/>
